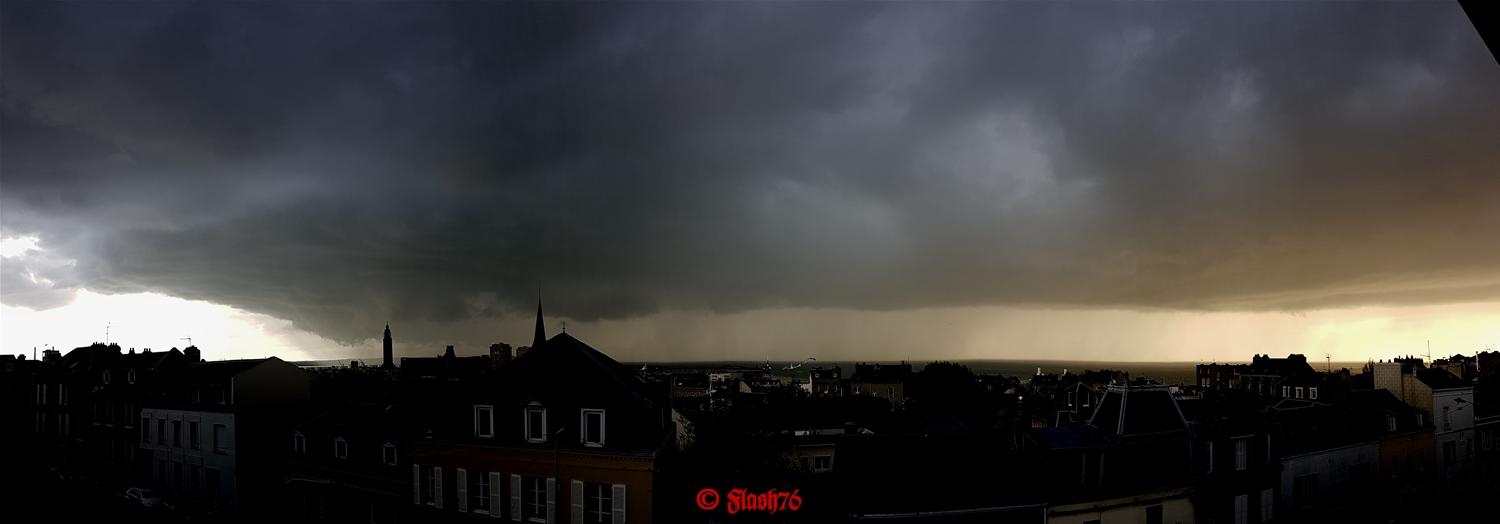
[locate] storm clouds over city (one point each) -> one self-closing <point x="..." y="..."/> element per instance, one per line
<point x="339" y="166"/>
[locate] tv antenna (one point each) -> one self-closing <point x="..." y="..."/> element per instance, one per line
<point x="1329" y="358"/>
<point x="189" y="339"/>
<point x="1429" y="350"/>
<point x="107" y="325"/>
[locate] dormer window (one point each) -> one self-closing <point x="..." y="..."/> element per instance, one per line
<point x="1312" y="393"/>
<point x="536" y="424"/>
<point x="223" y="395"/>
<point x="484" y="421"/>
<point x="592" y="422"/>
<point x="340" y="448"/>
<point x="388" y="454"/>
<point x="299" y="443"/>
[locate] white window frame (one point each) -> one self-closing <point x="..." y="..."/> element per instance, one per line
<point x="1286" y="391"/>
<point x="340" y="448"/>
<point x="538" y="499"/>
<point x="583" y="433"/>
<point x="1298" y="391"/>
<point x="480" y="480"/>
<point x="485" y="413"/>
<point x="526" y="425"/>
<point x="1241" y="453"/>
<point x="1312" y="392"/>
<point x="388" y="454"/>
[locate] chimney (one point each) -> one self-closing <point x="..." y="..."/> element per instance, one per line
<point x="193" y="354"/>
<point x="449" y="353"/>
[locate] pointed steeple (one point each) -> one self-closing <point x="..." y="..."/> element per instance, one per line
<point x="386" y="349"/>
<point x="540" y="337"/>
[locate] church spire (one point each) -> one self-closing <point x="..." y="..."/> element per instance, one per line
<point x="541" y="331"/>
<point x="386" y="347"/>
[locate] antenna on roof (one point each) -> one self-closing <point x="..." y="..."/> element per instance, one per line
<point x="107" y="325"/>
<point x="1329" y="357"/>
<point x="189" y="339"/>
<point x="1429" y="350"/>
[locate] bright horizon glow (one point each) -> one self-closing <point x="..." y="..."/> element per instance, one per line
<point x="161" y="322"/>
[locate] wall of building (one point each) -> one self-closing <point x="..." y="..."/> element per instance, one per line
<point x="1175" y="505"/>
<point x="1332" y="467"/>
<point x="195" y="464"/>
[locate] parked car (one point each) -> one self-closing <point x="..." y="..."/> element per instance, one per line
<point x="144" y="498"/>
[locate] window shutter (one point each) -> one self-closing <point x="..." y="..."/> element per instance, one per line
<point x="515" y="498"/>
<point x="495" y="495"/>
<point x="462" y="479"/>
<point x="617" y="500"/>
<point x="437" y="487"/>
<point x="551" y="500"/>
<point x="577" y="501"/>
<point x="416" y="484"/>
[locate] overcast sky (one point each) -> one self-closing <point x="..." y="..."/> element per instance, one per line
<point x="1136" y="181"/>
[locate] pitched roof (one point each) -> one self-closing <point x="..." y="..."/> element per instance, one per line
<point x="1138" y="410"/>
<point x="564" y="366"/>
<point x="1437" y="378"/>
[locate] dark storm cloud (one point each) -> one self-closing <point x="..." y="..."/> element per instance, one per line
<point x="340" y="164"/>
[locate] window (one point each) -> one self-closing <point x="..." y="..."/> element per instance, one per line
<point x="223" y="395"/>
<point x="1241" y="453"/>
<point x="130" y="376"/>
<point x="534" y="499"/>
<point x="41" y="394"/>
<point x="221" y="438"/>
<point x="1267" y="502"/>
<point x="823" y="463"/>
<point x="340" y="448"/>
<point x="1269" y="456"/>
<point x="161" y="431"/>
<point x="1153" y="514"/>
<point x="536" y="424"/>
<point x="212" y="482"/>
<point x="479" y="491"/>
<point x="193" y="439"/>
<point x="1306" y="488"/>
<point x="1286" y="391"/>
<point x="177" y="476"/>
<point x="1447" y="419"/>
<point x="1298" y="391"/>
<point x="1312" y="393"/>
<point x="484" y="421"/>
<point x="1210" y="460"/>
<point x="1390" y="423"/>
<point x="105" y="377"/>
<point x="1241" y="509"/>
<point x="598" y="503"/>
<point x="388" y="454"/>
<point x="299" y="443"/>
<point x="145" y="429"/>
<point x="197" y="396"/>
<point x="177" y="433"/>
<point x="593" y="427"/>
<point x="62" y="394"/>
<point x="428" y="481"/>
